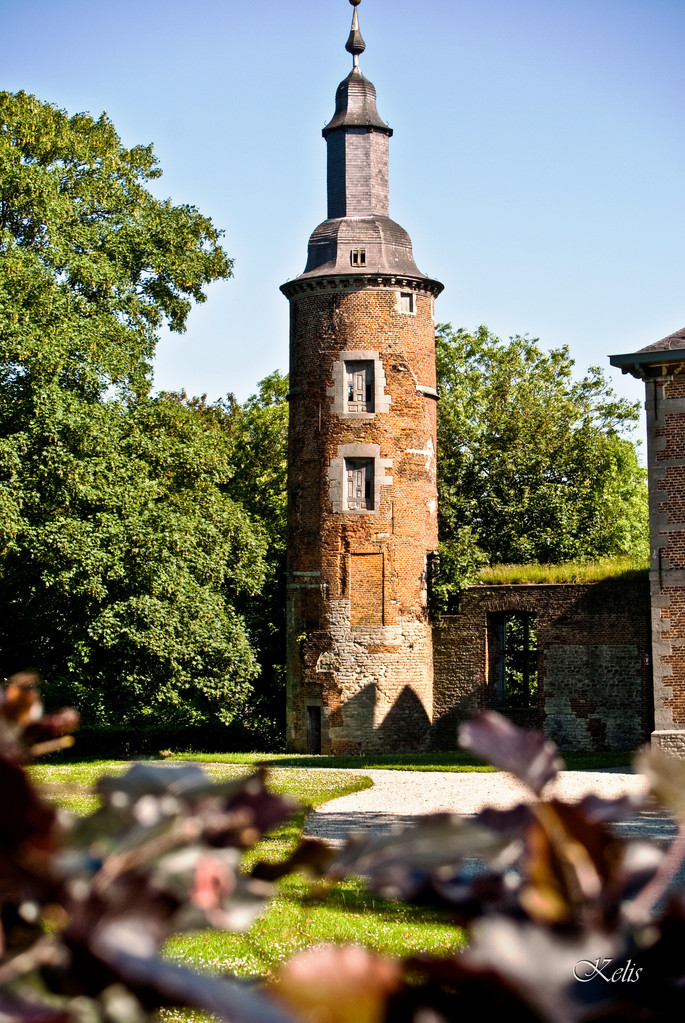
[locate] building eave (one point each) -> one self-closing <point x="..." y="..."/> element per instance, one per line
<point x="647" y="365"/>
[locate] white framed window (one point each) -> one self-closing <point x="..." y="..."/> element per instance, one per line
<point x="358" y="388"/>
<point x="407" y="302"/>
<point x="358" y="257"/>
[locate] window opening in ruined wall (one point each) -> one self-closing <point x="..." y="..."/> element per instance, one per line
<point x="359" y="483"/>
<point x="360" y="386"/>
<point x="431" y="576"/>
<point x="513" y="657"/>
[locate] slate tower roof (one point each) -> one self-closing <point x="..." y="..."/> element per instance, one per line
<point x="358" y="233"/>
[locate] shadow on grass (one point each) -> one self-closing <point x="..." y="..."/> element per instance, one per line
<point x="354" y="898"/>
<point x="455" y="761"/>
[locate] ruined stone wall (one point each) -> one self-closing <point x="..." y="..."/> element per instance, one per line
<point x="359" y="635"/>
<point x="594" y="663"/>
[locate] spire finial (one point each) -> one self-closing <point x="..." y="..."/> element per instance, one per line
<point x="355" y="44"/>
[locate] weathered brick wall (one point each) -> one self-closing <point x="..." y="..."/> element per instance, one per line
<point x="359" y="634"/>
<point x="594" y="663"/>
<point x="665" y="407"/>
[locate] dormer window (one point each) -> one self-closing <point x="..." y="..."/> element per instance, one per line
<point x="358" y="257"/>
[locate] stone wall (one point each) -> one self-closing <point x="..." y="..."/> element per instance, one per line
<point x="593" y="663"/>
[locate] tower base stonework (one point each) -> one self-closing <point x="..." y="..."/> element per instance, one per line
<point x="670" y="742"/>
<point x="366" y="684"/>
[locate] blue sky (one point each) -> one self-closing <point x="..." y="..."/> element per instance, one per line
<point x="537" y="160"/>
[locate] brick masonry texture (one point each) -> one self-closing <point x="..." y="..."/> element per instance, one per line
<point x="662" y="367"/>
<point x="665" y="406"/>
<point x="594" y="674"/>
<point x="359" y="636"/>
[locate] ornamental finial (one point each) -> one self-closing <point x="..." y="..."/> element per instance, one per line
<point x="355" y="44"/>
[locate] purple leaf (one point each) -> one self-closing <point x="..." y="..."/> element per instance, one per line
<point x="533" y="759"/>
<point x="400" y="864"/>
<point x="175" y="985"/>
<point x="19" y="1010"/>
<point x="597" y="809"/>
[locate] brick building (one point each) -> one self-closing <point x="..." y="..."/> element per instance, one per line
<point x="662" y="367"/>
<point x="366" y="672"/>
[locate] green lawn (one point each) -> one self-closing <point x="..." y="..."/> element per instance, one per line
<point x="69" y="785"/>
<point x="293" y="923"/>
<point x="293" y="920"/>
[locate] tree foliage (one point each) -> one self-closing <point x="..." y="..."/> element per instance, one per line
<point x="93" y="263"/>
<point x="256" y="432"/>
<point x="122" y="580"/>
<point x="259" y="430"/>
<point x="122" y="555"/>
<point x="533" y="465"/>
<point x="259" y="433"/>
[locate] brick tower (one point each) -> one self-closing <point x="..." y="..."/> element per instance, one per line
<point x="362" y="499"/>
<point x="662" y="367"/>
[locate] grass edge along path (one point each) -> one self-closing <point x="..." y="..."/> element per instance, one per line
<point x="446" y="760"/>
<point x="292" y="921"/>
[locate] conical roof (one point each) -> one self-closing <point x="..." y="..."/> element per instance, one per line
<point x="355" y="105"/>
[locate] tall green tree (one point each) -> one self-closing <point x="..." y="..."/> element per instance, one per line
<point x="123" y="583"/>
<point x="122" y="556"/>
<point x="533" y="464"/>
<point x="259" y="432"/>
<point x="92" y="262"/>
<point x="256" y="435"/>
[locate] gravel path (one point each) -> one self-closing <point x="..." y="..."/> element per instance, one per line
<point x="397" y="798"/>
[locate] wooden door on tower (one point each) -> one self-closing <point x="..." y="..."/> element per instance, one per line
<point x="359" y="386"/>
<point x="359" y="473"/>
